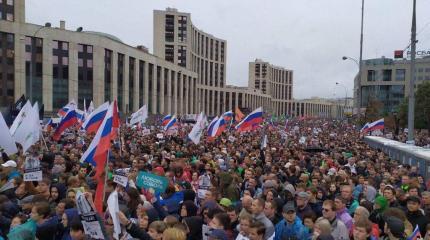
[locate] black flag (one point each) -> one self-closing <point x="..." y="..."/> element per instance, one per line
<point x="41" y="111"/>
<point x="15" y="108"/>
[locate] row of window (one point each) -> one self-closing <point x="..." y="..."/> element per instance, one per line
<point x="212" y="49"/>
<point x="7" y="69"/>
<point x="7" y="10"/>
<point x="205" y="68"/>
<point x="400" y="75"/>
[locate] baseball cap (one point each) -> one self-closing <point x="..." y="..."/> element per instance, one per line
<point x="288" y="207"/>
<point x="268" y="184"/>
<point x="303" y="195"/>
<point x="26" y="200"/>
<point x="225" y="202"/>
<point x="396" y="226"/>
<point x="9" y="163"/>
<point x="218" y="234"/>
<point x="331" y="171"/>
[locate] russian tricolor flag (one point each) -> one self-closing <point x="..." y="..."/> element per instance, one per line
<point x="251" y="121"/>
<point x="171" y="123"/>
<point x="63" y="111"/>
<point x="376" y="125"/>
<point x="228" y="116"/>
<point x="415" y="234"/>
<point x="365" y="128"/>
<point x="166" y="120"/>
<point x="97" y="153"/>
<point x="67" y="121"/>
<point x="95" y="119"/>
<point x="218" y="127"/>
<point x="211" y="126"/>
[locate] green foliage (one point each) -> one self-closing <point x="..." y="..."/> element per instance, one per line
<point x="422" y="108"/>
<point x="374" y="110"/>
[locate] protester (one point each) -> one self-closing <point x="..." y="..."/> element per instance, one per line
<point x="226" y="187"/>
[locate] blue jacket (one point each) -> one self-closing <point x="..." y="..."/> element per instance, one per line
<point x="297" y="230"/>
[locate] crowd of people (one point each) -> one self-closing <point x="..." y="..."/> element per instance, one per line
<point x="312" y="179"/>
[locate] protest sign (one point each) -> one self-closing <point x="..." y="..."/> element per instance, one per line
<point x="92" y="226"/>
<point x="32" y="170"/>
<point x="120" y="176"/>
<point x="88" y="217"/>
<point x="146" y="132"/>
<point x="148" y="180"/>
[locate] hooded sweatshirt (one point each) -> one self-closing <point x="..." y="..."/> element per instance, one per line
<point x="377" y="214"/>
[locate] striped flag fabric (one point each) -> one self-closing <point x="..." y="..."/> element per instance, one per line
<point x="251" y="121"/>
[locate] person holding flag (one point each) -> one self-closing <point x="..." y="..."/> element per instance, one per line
<point x="97" y="153"/>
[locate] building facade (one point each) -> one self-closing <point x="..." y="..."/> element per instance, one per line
<point x="185" y="75"/>
<point x="388" y="80"/>
<point x="178" y="40"/>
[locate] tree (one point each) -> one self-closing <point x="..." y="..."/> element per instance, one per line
<point x="422" y="108"/>
<point x="402" y="110"/>
<point x="373" y="110"/>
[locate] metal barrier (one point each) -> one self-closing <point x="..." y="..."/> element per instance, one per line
<point x="404" y="153"/>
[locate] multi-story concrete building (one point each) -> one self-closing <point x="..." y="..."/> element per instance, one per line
<point x="274" y="81"/>
<point x="178" y="40"/>
<point x="388" y="80"/>
<point x="186" y="74"/>
<point x="53" y="65"/>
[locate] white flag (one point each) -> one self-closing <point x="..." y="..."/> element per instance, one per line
<point x="6" y="141"/>
<point x="25" y="131"/>
<point x="264" y="142"/>
<point x="113" y="207"/>
<point x="19" y="118"/>
<point x="85" y="107"/>
<point x="197" y="130"/>
<point x="140" y="116"/>
<point x="90" y="108"/>
<point x="37" y="127"/>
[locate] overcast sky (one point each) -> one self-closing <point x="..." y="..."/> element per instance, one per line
<point x="307" y="36"/>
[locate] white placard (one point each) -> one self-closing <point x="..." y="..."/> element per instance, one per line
<point x="201" y="193"/>
<point x="92" y="226"/>
<point x="146" y="132"/>
<point x="82" y="204"/>
<point x="302" y="140"/>
<point x="231" y="138"/>
<point x="121" y="180"/>
<point x="160" y="136"/>
<point x="33" y="176"/>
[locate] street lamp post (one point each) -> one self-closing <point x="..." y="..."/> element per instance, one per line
<point x="411" y="104"/>
<point x="47" y="25"/>
<point x="357" y="88"/>
<point x="346" y="91"/>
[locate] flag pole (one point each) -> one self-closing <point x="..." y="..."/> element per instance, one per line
<point x="43" y="138"/>
<point x="106" y="176"/>
<point x="120" y="141"/>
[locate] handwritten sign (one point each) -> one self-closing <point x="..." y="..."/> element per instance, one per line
<point x="120" y="176"/>
<point x="121" y="180"/>
<point x="151" y="181"/>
